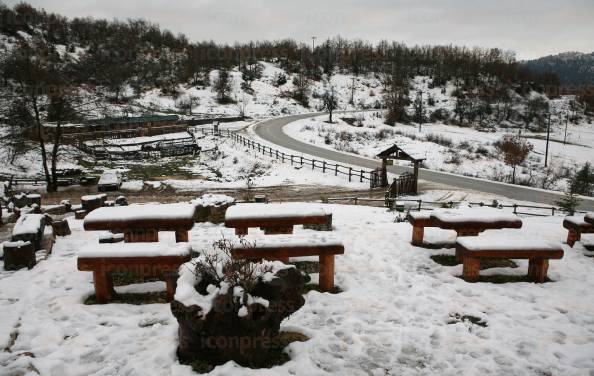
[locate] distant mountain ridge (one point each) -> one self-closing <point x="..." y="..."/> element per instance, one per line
<point x="572" y="68"/>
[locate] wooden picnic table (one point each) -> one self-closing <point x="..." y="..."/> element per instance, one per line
<point x="275" y="218"/>
<point x="466" y="222"/>
<point x="589" y="217"/>
<point x="142" y="222"/>
<point x="576" y="226"/>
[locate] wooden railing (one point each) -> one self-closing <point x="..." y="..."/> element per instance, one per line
<point x="300" y="160"/>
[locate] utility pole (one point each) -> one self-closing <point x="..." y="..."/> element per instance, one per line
<point x="547" y="147"/>
<point x="566" y="123"/>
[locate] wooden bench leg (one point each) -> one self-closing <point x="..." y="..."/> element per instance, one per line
<point x="417" y="235"/>
<point x="181" y="236"/>
<point x="572" y="237"/>
<point x="239" y="231"/>
<point x="326" y="272"/>
<point x="471" y="268"/>
<point x="170" y="282"/>
<point x="537" y="270"/>
<point x="103" y="287"/>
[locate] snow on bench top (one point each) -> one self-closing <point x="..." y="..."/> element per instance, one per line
<point x="28" y="224"/>
<point x="589" y="217"/>
<point x="210" y="199"/>
<point x="109" y="178"/>
<point x="138" y="212"/>
<point x="17" y="243"/>
<point x="576" y="220"/>
<point x="285" y="210"/>
<point x="473" y="215"/>
<point x="420" y="215"/>
<point x="134" y="250"/>
<point x="93" y="197"/>
<point x="305" y="239"/>
<point x="505" y="243"/>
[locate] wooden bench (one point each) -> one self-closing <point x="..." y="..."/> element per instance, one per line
<point x="275" y="218"/>
<point x="472" y="250"/>
<point x="149" y="260"/>
<point x="419" y="221"/>
<point x="142" y="223"/>
<point x="281" y="248"/>
<point x="576" y="226"/>
<point x="466" y="222"/>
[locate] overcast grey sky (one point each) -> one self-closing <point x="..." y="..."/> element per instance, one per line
<point x="532" y="28"/>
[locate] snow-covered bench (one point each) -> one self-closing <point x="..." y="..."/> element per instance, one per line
<point x="420" y="220"/>
<point x="275" y="218"/>
<point x="281" y="247"/>
<point x="577" y="226"/>
<point x="144" y="259"/>
<point x="466" y="222"/>
<point x="142" y="223"/>
<point x="29" y="227"/>
<point x="538" y="252"/>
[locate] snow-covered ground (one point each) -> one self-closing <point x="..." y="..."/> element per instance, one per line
<point x="400" y="313"/>
<point x="450" y="148"/>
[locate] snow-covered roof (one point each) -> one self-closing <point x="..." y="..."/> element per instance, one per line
<point x="284" y="210"/>
<point x="411" y="153"/>
<point x="91" y="250"/>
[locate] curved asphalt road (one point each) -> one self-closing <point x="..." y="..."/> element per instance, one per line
<point x="272" y="131"/>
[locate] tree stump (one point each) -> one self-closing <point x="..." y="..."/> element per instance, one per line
<point x="260" y="198"/>
<point x="61" y="228"/>
<point x="80" y="214"/>
<point x="90" y="203"/>
<point x="33" y="198"/>
<point x="19" y="254"/>
<point x="121" y="201"/>
<point x="224" y="334"/>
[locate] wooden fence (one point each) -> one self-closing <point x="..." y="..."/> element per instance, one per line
<point x="431" y="205"/>
<point x="299" y="160"/>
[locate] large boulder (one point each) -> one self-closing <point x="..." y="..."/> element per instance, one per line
<point x="223" y="322"/>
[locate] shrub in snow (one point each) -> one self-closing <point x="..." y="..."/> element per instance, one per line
<point x="230" y="309"/>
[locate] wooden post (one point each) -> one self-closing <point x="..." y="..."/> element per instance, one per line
<point x="417" y="235"/>
<point x="326" y="272"/>
<point x="384" y="173"/>
<point x="415" y="177"/>
<point x="181" y="236"/>
<point x="350" y="172"/>
<point x="313" y="164"/>
<point x="471" y="268"/>
<point x="324" y="166"/>
<point x="537" y="270"/>
<point x="283" y="157"/>
<point x="336" y="169"/>
<point x="361" y="180"/>
<point x="302" y="160"/>
<point x="291" y="159"/>
<point x="103" y="287"/>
